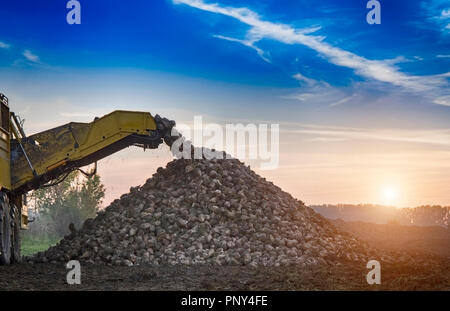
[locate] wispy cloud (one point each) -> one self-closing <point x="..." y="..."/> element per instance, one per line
<point x="4" y="45"/>
<point x="438" y="14"/>
<point x="302" y="78"/>
<point x="444" y="20"/>
<point x="443" y="100"/>
<point x="320" y="92"/>
<point x="321" y="133"/>
<point x="327" y="139"/>
<point x="379" y="70"/>
<point x="30" y="56"/>
<point x="247" y="42"/>
<point x="343" y="100"/>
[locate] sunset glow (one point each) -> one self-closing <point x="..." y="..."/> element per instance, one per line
<point x="390" y="195"/>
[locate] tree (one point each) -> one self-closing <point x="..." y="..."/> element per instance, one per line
<point x="91" y="196"/>
<point x="72" y="201"/>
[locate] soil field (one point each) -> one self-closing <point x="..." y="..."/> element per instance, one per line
<point x="421" y="276"/>
<point x="432" y="239"/>
<point x="430" y="269"/>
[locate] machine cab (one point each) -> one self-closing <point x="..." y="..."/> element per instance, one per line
<point x="5" y="169"/>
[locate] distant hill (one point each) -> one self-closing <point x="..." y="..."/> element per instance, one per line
<point x="435" y="215"/>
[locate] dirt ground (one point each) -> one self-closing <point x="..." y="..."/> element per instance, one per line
<point x="346" y="277"/>
<point x="432" y="239"/>
<point x="430" y="270"/>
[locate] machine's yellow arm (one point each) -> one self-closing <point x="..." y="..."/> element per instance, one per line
<point x="42" y="157"/>
<point x="46" y="158"/>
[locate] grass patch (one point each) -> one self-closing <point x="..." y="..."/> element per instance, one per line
<point x="33" y="245"/>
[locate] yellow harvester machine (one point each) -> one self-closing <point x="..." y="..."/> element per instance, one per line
<point x="31" y="162"/>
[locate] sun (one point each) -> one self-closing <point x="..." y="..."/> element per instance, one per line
<point x="389" y="195"/>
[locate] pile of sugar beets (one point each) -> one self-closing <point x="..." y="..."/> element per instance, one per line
<point x="215" y="212"/>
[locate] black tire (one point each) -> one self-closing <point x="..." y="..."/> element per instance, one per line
<point x="5" y="231"/>
<point x="15" y="237"/>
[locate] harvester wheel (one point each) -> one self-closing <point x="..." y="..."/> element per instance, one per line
<point x="15" y="237"/>
<point x="5" y="230"/>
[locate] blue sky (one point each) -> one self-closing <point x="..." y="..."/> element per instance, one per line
<point x="309" y="65"/>
<point x="189" y="39"/>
